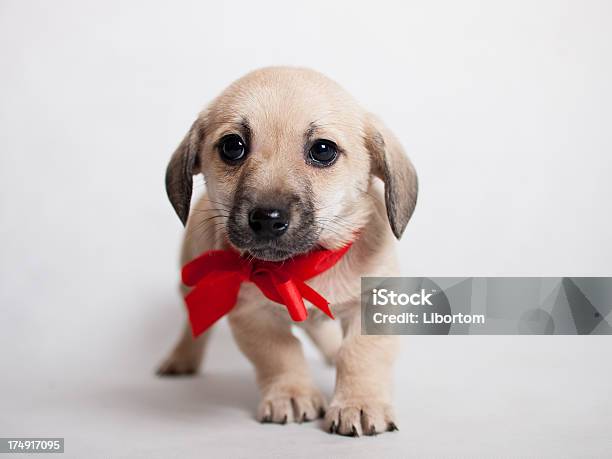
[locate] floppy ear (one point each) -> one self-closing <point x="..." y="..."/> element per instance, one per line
<point x="392" y="166"/>
<point x="180" y="171"/>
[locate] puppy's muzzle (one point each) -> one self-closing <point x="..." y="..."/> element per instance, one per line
<point x="268" y="224"/>
<point x="271" y="226"/>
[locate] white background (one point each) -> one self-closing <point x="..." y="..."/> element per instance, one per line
<point x="506" y="110"/>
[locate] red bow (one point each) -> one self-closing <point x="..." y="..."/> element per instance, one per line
<point x="218" y="274"/>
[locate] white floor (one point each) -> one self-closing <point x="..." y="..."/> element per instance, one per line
<point x="456" y="396"/>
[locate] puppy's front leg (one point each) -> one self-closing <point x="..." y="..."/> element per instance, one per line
<point x="362" y="398"/>
<point x="288" y="393"/>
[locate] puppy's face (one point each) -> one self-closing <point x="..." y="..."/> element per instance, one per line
<point x="287" y="157"/>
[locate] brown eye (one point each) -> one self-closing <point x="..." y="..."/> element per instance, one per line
<point x="323" y="153"/>
<point x="232" y="148"/>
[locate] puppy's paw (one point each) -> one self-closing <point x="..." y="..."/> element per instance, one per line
<point x="359" y="417"/>
<point x="178" y="364"/>
<point x="291" y="404"/>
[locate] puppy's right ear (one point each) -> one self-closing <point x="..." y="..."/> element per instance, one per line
<point x="392" y="166"/>
<point x="183" y="165"/>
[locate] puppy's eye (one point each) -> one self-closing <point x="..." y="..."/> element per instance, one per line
<point x="323" y="153"/>
<point x="232" y="148"/>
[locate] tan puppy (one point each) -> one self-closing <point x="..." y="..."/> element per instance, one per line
<point x="288" y="158"/>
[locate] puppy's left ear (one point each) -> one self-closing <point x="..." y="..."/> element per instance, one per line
<point x="392" y="166"/>
<point x="183" y="165"/>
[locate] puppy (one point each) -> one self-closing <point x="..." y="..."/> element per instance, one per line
<point x="289" y="151"/>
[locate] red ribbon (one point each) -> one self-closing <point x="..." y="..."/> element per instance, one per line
<point x="218" y="274"/>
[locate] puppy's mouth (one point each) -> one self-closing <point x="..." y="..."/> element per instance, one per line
<point x="270" y="253"/>
<point x="288" y="246"/>
<point x="272" y="227"/>
<point x="297" y="240"/>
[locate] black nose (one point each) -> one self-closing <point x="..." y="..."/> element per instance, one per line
<point x="268" y="222"/>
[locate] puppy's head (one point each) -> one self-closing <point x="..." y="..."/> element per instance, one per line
<point x="288" y="157"/>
